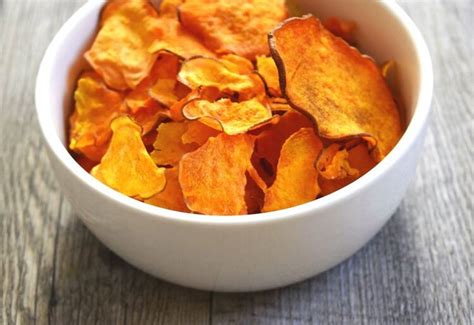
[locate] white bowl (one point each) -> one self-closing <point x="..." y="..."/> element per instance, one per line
<point x="255" y="252"/>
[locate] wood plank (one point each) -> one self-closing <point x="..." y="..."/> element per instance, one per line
<point x="53" y="270"/>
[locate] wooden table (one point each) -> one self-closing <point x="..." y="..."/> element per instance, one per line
<point x="418" y="269"/>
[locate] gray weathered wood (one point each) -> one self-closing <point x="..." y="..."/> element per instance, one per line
<point x="418" y="269"/>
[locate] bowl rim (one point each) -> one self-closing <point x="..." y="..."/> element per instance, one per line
<point x="412" y="132"/>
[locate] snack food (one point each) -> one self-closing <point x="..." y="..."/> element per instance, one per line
<point x="189" y="107"/>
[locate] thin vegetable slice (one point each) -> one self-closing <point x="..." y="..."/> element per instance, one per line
<point x="120" y="50"/>
<point x="172" y="195"/>
<point x="267" y="68"/>
<point x="230" y="117"/>
<point x="169" y="148"/>
<point x="297" y="179"/>
<point x="96" y="107"/>
<point x="213" y="177"/>
<point x="233" y="26"/>
<point x="127" y="167"/>
<point x="339" y="88"/>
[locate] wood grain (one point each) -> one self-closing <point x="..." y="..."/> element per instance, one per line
<point x="417" y="270"/>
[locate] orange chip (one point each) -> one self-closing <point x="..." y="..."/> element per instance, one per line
<point x="163" y="89"/>
<point x="127" y="167"/>
<point x="268" y="144"/>
<point x="149" y="117"/>
<point x="297" y="179"/>
<point x="266" y="67"/>
<point x="96" y="107"/>
<point x="213" y="177"/>
<point x="198" y="72"/>
<point x="237" y="64"/>
<point x="172" y="37"/>
<point x="233" y="26"/>
<point x="342" y="28"/>
<point x="333" y="163"/>
<point x="359" y="159"/>
<point x="230" y="117"/>
<point x="254" y="196"/>
<point x="120" y="51"/>
<point x="169" y="148"/>
<point x="172" y="196"/>
<point x="342" y="90"/>
<point x="158" y="86"/>
<point x="198" y="133"/>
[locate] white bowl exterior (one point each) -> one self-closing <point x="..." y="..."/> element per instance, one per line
<point x="244" y="253"/>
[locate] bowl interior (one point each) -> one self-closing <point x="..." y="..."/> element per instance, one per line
<point x="379" y="34"/>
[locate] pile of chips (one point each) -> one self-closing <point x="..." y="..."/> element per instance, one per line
<point x="228" y="107"/>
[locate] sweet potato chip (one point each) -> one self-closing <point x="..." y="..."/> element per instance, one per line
<point x="297" y="178"/>
<point x="169" y="148"/>
<point x="237" y="64"/>
<point x="230" y="117"/>
<point x="127" y="167"/>
<point x="120" y="51"/>
<point x="213" y="177"/>
<point x="172" y="196"/>
<point x="198" y="72"/>
<point x="163" y="89"/>
<point x="279" y="105"/>
<point x="233" y="26"/>
<point x="173" y="37"/>
<point x="359" y="159"/>
<point x="254" y="196"/>
<point x="266" y="67"/>
<point x="208" y="93"/>
<point x="342" y="28"/>
<point x="198" y="133"/>
<point x="333" y="163"/>
<point x="268" y="144"/>
<point x="149" y="117"/>
<point x="340" y="89"/>
<point x="96" y="107"/>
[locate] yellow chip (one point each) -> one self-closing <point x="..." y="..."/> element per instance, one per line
<point x="267" y="68"/>
<point x="120" y="50"/>
<point x="169" y="148"/>
<point x="213" y="177"/>
<point x="96" y="107"/>
<point x="230" y="117"/>
<point x="127" y="167"/>
<point x="297" y="179"/>
<point x="199" y="72"/>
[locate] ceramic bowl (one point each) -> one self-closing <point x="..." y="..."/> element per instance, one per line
<point x="254" y="252"/>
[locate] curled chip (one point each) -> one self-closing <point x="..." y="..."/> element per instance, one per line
<point x="169" y="148"/>
<point x="359" y="159"/>
<point x="297" y="179"/>
<point x="340" y="27"/>
<point x="172" y="37"/>
<point x="198" y="133"/>
<point x="333" y="163"/>
<point x="267" y="69"/>
<point x="172" y="196"/>
<point x="213" y="177"/>
<point x="230" y="117"/>
<point x="96" y="107"/>
<point x="233" y="26"/>
<point x="198" y="72"/>
<point x="120" y="51"/>
<point x="269" y="142"/>
<point x="339" y="88"/>
<point x="127" y="167"/>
